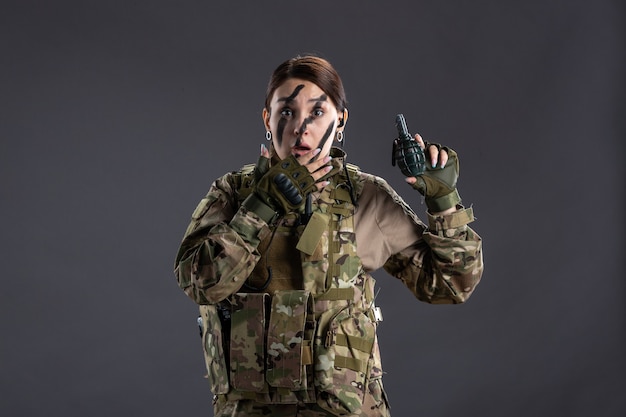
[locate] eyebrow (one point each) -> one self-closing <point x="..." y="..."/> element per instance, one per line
<point x="323" y="97"/>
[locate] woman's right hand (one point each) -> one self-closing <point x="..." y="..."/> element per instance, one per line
<point x="282" y="188"/>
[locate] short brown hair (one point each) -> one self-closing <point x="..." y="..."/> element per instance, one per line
<point x="310" y="68"/>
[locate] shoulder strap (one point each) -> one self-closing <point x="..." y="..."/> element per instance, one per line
<point x="243" y="179"/>
<point x="348" y="188"/>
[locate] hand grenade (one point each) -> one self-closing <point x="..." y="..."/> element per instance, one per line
<point x="407" y="152"/>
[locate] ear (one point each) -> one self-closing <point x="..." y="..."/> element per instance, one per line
<point x="266" y="118"/>
<point x="342" y="119"/>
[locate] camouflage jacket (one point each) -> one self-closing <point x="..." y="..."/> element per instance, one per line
<point x="227" y="250"/>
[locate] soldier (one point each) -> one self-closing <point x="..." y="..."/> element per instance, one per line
<point x="278" y="255"/>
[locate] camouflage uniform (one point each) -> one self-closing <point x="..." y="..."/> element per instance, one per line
<point x="289" y="323"/>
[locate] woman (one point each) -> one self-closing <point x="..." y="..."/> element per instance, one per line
<point x="279" y="256"/>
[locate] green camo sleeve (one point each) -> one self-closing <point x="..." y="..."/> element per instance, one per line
<point x="219" y="249"/>
<point x="449" y="266"/>
<point x="456" y="262"/>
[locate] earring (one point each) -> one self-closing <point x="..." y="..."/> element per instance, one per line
<point x="339" y="136"/>
<point x="268" y="135"/>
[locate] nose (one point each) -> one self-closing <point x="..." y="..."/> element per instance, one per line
<point x="301" y="127"/>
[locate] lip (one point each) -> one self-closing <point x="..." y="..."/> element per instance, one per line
<point x="300" y="150"/>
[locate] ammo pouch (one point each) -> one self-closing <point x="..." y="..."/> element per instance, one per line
<point x="269" y="346"/>
<point x="264" y="352"/>
<point x="273" y="351"/>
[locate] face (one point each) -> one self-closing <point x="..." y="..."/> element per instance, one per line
<point x="302" y="118"/>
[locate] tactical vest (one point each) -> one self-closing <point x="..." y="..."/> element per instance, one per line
<point x="314" y="344"/>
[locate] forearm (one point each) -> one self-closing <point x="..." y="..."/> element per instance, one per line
<point x="455" y="262"/>
<point x="446" y="265"/>
<point x="218" y="265"/>
<point x="219" y="249"/>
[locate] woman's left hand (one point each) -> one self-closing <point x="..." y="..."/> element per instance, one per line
<point x="438" y="182"/>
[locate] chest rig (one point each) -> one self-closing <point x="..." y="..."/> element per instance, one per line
<point x="312" y="340"/>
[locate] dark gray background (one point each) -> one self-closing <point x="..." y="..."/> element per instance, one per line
<point x="117" y="115"/>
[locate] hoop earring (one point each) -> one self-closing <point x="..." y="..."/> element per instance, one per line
<point x="339" y="136"/>
<point x="268" y="135"/>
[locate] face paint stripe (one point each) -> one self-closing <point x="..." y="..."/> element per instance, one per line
<point x="326" y="136"/>
<point x="280" y="129"/>
<point x="293" y="95"/>
<point x="305" y="123"/>
<point x="302" y="129"/>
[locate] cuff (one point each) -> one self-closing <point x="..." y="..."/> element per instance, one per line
<point x="252" y="228"/>
<point x="459" y="218"/>
<point x="257" y="206"/>
<point x="445" y="202"/>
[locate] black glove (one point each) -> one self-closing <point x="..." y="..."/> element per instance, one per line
<point x="437" y="185"/>
<point x="279" y="189"/>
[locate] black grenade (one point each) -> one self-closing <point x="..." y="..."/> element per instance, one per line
<point x="407" y="152"/>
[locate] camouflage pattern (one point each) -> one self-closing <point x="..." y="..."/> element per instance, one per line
<point x="451" y="276"/>
<point x="450" y="269"/>
<point x="219" y="250"/>
<point x="346" y="330"/>
<point x="286" y="340"/>
<point x="375" y="404"/>
<point x="321" y="352"/>
<point x="342" y="360"/>
<point x="213" y="346"/>
<point x="247" y="341"/>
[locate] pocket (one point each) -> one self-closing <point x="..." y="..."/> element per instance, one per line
<point x="247" y="342"/>
<point x="213" y="347"/>
<point x="288" y="350"/>
<point x="342" y="356"/>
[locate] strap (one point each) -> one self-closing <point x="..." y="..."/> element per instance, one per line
<point x="459" y="218"/>
<point x="354" y="342"/>
<point x="340" y="193"/>
<point x="243" y="181"/>
<point x="350" y="363"/>
<point x="444" y="202"/>
<point x="307" y="353"/>
<point x="256" y="205"/>
<point x="336" y="294"/>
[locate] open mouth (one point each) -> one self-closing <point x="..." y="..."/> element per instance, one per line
<point x="298" y="151"/>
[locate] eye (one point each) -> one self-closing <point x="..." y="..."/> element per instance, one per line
<point x="318" y="112"/>
<point x="286" y="112"/>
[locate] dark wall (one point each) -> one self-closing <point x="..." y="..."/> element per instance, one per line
<point x="116" y="116"/>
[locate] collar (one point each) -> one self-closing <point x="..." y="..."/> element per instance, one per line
<point x="339" y="158"/>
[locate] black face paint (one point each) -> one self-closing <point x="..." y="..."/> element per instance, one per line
<point x="326" y="136"/>
<point x="318" y="103"/>
<point x="282" y="122"/>
<point x="302" y="128"/>
<point x="279" y="130"/>
<point x="293" y="95"/>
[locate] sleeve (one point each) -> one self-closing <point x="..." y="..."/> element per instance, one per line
<point x="440" y="263"/>
<point x="219" y="249"/>
<point x="446" y="264"/>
